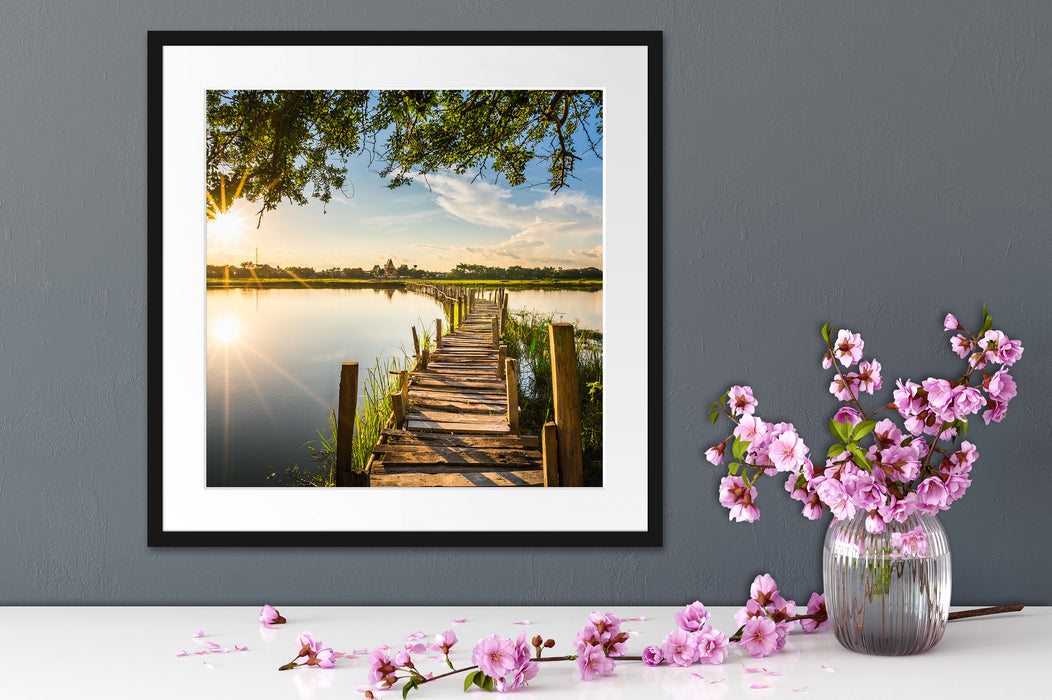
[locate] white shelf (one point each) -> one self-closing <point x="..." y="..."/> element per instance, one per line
<point x="130" y="652"/>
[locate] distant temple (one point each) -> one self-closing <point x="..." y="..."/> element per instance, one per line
<point x="389" y="268"/>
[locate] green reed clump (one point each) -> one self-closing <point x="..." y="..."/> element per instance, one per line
<point x="526" y="335"/>
<point x="374" y="408"/>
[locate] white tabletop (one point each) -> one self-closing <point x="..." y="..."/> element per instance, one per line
<point x="131" y="652"/>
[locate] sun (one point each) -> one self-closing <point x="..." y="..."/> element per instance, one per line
<point x="226" y="228"/>
<point x="226" y="330"/>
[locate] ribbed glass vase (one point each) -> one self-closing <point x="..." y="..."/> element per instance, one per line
<point x="887" y="594"/>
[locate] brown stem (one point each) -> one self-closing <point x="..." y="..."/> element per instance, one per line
<point x="977" y="612"/>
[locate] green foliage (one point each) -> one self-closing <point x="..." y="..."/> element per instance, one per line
<point x="526" y="335"/>
<point x="269" y="146"/>
<point x="479" y="679"/>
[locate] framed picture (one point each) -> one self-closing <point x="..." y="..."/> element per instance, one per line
<point x="428" y="263"/>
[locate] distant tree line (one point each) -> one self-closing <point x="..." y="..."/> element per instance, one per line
<point x="249" y="270"/>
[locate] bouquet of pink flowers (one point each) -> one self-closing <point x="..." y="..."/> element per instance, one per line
<point x="875" y="465"/>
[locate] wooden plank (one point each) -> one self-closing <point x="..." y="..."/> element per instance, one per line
<point x="407" y="438"/>
<point x="438" y="394"/>
<point x="450" y="427"/>
<point x="457" y="406"/>
<point x="437" y="381"/>
<point x="505" y="478"/>
<point x="447" y="417"/>
<point x="425" y="468"/>
<point x="463" y="455"/>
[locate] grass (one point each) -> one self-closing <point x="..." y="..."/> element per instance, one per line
<point x="526" y="335"/>
<point x="374" y="408"/>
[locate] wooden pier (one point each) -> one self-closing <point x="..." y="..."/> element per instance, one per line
<point x="455" y="419"/>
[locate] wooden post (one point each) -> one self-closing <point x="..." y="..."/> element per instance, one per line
<point x="347" y="405"/>
<point x="496" y="333"/>
<point x="399" y="409"/>
<point x="403" y="379"/>
<point x="550" y="454"/>
<point x="513" y="395"/>
<point x="425" y="355"/>
<point x="438" y="333"/>
<point x="416" y="343"/>
<point x="502" y="354"/>
<point x="567" y="406"/>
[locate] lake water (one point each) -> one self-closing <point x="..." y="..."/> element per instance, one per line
<point x="274" y="363"/>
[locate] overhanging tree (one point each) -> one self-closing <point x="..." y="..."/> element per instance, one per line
<point x="270" y="146"/>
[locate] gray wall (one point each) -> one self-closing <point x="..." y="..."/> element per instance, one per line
<point x="870" y="164"/>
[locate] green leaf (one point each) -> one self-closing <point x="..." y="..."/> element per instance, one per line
<point x="964" y="429"/>
<point x="410" y="685"/>
<point x="733" y="468"/>
<point x="835" y="451"/>
<point x="825" y="332"/>
<point x="860" y="457"/>
<point x="469" y="680"/>
<point x="714" y="416"/>
<point x="841" y="431"/>
<point x="907" y="441"/>
<point x="863" y="429"/>
<point x="988" y="322"/>
<point x="487" y="685"/>
<point x="740" y="446"/>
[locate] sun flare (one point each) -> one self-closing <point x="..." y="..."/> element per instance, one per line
<point x="226" y="228"/>
<point x="226" y="330"/>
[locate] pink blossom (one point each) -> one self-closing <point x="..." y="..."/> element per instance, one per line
<point x="994" y="343"/>
<point x="680" y="648"/>
<point x="827" y="360"/>
<point x="381" y="668"/>
<point x="752" y="609"/>
<point x="763" y="589"/>
<point x="780" y="608"/>
<point x="898" y="509"/>
<point x="887" y="432"/>
<point x="966" y="401"/>
<point x="940" y="391"/>
<point x="750" y="428"/>
<point x="269" y="615"/>
<point x="977" y="360"/>
<point x="652" y="656"/>
<point x="817" y="605"/>
<point x="1009" y="352"/>
<point x="741" y="401"/>
<point x="760" y="636"/>
<point x="931" y="495"/>
<point x="812" y="509"/>
<point x="869" y="377"/>
<point x="715" y="454"/>
<point x="693" y="617"/>
<point x="325" y="658"/>
<point x="848" y="416"/>
<point x="908" y="400"/>
<point x="737" y="496"/>
<point x="712" y="646"/>
<point x="444" y="641"/>
<point x="788" y="451"/>
<point x="835" y="496"/>
<point x="951" y="323"/>
<point x="1001" y="386"/>
<point x="961" y="345"/>
<point x="494" y="656"/>
<point x="524" y="670"/>
<point x="845" y="388"/>
<point x="995" y="413"/>
<point x="874" y="523"/>
<point x="911" y="543"/>
<point x="593" y="662"/>
<point x="848" y="347"/>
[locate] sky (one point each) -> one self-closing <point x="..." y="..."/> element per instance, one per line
<point x="435" y="223"/>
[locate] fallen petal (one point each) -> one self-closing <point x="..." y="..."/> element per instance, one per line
<point x="181" y="652"/>
<point x="460" y="621"/>
<point x="750" y="670"/>
<point x="641" y="618"/>
<point x="698" y="675"/>
<point x="237" y="648"/>
<point x="208" y="665"/>
<point x="801" y="689"/>
<point x="715" y="682"/>
<point x="827" y="668"/>
<point x="522" y="622"/>
<point x="758" y="686"/>
<point x="415" y="635"/>
<point x="199" y="633"/>
<point x="211" y="645"/>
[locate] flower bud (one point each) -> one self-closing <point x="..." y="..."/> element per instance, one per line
<point x="548" y="644"/>
<point x="537" y="641"/>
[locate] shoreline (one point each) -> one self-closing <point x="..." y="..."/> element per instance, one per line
<point x="269" y="283"/>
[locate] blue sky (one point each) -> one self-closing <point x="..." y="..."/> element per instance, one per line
<point x="455" y="220"/>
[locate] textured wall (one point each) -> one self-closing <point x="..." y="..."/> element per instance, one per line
<point x="870" y="164"/>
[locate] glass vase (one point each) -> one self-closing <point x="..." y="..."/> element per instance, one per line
<point x="887" y="593"/>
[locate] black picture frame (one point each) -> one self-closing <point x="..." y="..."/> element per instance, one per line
<point x="168" y="312"/>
